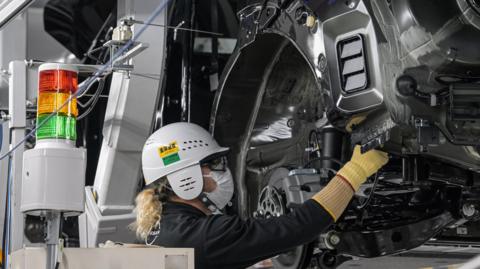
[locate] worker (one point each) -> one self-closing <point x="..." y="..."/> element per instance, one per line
<point x="188" y="184"/>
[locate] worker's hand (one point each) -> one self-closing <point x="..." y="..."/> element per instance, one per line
<point x="361" y="166"/>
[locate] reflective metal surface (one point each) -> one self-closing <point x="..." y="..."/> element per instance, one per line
<point x="417" y="79"/>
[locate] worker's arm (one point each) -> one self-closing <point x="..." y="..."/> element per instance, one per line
<point x="338" y="193"/>
<point x="230" y="241"/>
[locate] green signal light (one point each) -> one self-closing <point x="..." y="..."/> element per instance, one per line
<point x="57" y="127"/>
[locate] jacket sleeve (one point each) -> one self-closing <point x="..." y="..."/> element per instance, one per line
<point x="231" y="241"/>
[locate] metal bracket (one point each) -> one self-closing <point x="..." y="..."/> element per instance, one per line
<point x="374" y="243"/>
<point x="255" y="18"/>
<point x="427" y="135"/>
<point x="137" y="49"/>
<point x="300" y="187"/>
<point x="118" y="64"/>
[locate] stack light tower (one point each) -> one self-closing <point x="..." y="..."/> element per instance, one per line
<point x="53" y="177"/>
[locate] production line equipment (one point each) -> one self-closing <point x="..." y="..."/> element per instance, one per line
<point x="54" y="170"/>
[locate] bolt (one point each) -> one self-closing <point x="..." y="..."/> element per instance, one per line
<point x="322" y="62"/>
<point x="468" y="210"/>
<point x="301" y="15"/>
<point x="406" y="85"/>
<point x="350" y="3"/>
<point x="290" y="123"/>
<point x="334" y="239"/>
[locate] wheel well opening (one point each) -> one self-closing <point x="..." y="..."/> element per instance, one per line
<point x="268" y="104"/>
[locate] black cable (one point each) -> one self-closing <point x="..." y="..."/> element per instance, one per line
<point x="375" y="182"/>
<point x="101" y="84"/>
<point x="92" y="48"/>
<point x="83" y="94"/>
<point x="95" y="99"/>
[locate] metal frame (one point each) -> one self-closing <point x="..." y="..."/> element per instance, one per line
<point x="128" y="122"/>
<point x="17" y="110"/>
<point x="12" y="9"/>
<point x="3" y="172"/>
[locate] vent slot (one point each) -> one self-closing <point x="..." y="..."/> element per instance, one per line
<point x="187" y="182"/>
<point x="352" y="64"/>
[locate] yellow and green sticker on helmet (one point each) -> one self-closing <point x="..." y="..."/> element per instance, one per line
<point x="169" y="153"/>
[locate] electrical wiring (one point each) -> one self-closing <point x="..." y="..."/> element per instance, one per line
<point x="92" y="48"/>
<point x="85" y="92"/>
<point x="93" y="100"/>
<point x="89" y="81"/>
<point x="365" y="204"/>
<point x="101" y="84"/>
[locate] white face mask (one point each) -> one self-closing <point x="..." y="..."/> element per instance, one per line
<point x="224" y="191"/>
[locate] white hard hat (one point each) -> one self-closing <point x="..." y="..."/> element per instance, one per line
<point x="175" y="151"/>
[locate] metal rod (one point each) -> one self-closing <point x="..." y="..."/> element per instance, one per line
<point x="52" y="236"/>
<point x="177" y="28"/>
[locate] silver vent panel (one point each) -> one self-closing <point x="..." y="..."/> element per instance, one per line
<point x="352" y="64"/>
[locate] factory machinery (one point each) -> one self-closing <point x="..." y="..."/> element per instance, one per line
<point x="307" y="79"/>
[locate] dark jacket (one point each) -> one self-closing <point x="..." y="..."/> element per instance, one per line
<point x="222" y="241"/>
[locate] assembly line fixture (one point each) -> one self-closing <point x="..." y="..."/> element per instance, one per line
<point x="53" y="177"/>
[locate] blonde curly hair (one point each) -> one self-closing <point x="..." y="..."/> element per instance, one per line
<point x="149" y="208"/>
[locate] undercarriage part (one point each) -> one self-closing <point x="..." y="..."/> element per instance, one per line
<point x="300" y="187"/>
<point x="277" y="56"/>
<point x="328" y="260"/>
<point x="406" y="85"/>
<point x="401" y="214"/>
<point x="464" y="102"/>
<point x="332" y="141"/>
<point x="272" y="202"/>
<point x="427" y="134"/>
<point x="453" y="54"/>
<point x="464" y="122"/>
<point x="389" y="241"/>
<point x="465" y="234"/>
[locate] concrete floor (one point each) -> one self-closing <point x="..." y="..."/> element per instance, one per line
<point x="425" y="257"/>
<point x="403" y="263"/>
<point x="437" y="257"/>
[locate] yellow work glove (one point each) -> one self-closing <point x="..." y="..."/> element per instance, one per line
<point x="361" y="166"/>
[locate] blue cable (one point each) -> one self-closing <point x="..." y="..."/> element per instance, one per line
<point x="8" y="221"/>
<point x="90" y="80"/>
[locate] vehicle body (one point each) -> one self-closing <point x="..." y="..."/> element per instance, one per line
<point x="309" y="79"/>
